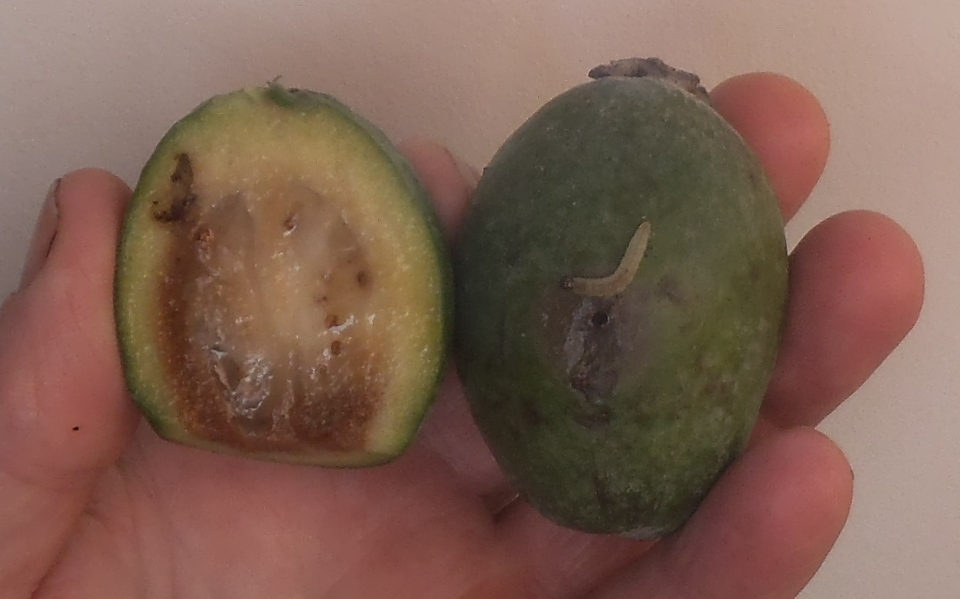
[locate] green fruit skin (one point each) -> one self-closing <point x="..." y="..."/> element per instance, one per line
<point x="144" y="391"/>
<point x="618" y="414"/>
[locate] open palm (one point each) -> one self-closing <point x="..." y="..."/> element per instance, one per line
<point x="94" y="505"/>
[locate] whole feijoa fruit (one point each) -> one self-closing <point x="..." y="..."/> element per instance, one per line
<point x="282" y="287"/>
<point x="621" y="282"/>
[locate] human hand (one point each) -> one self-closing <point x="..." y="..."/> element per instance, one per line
<point x="93" y="504"/>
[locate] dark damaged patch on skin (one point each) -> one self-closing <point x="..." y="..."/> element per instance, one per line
<point x="592" y="370"/>
<point x="583" y="335"/>
<point x="594" y="342"/>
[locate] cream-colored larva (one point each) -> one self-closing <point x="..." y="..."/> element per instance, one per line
<point x="617" y="281"/>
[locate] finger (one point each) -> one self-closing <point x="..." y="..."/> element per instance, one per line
<point x="449" y="430"/>
<point x="451" y="433"/>
<point x="763" y="531"/>
<point x="449" y="180"/>
<point x="64" y="415"/>
<point x="856" y="289"/>
<point x="785" y="125"/>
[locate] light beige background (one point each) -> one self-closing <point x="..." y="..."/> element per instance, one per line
<point x="98" y="82"/>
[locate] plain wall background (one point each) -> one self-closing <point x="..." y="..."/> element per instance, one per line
<point x="97" y="83"/>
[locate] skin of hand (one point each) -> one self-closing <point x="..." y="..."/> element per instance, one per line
<point x="94" y="505"/>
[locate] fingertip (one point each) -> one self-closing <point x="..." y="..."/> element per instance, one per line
<point x="78" y="225"/>
<point x="857" y="289"/>
<point x="785" y="124"/>
<point x="900" y="254"/>
<point x="449" y="180"/>
<point x="895" y="258"/>
<point x="90" y="205"/>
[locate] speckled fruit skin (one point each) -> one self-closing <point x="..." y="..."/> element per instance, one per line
<point x="617" y="414"/>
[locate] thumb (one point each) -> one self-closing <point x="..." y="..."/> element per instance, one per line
<point x="64" y="415"/>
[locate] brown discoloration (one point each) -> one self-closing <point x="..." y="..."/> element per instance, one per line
<point x="307" y="405"/>
<point x="363" y="279"/>
<point x="183" y="172"/>
<point x="176" y="211"/>
<point x="333" y="321"/>
<point x="332" y="414"/>
<point x="204" y="239"/>
<point x="339" y="421"/>
<point x="182" y="197"/>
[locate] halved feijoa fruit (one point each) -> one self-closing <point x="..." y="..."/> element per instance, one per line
<point x="282" y="290"/>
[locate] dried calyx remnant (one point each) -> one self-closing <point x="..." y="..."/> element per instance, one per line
<point x="651" y="67"/>
<point x="269" y="306"/>
<point x="617" y="281"/>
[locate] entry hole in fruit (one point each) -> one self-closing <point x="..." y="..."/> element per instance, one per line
<point x="600" y="319"/>
<point x="363" y="279"/>
<point x="76" y="428"/>
<point x="617" y="281"/>
<point x="336" y="347"/>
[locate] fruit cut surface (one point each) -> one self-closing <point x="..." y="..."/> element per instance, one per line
<point x="282" y="290"/>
